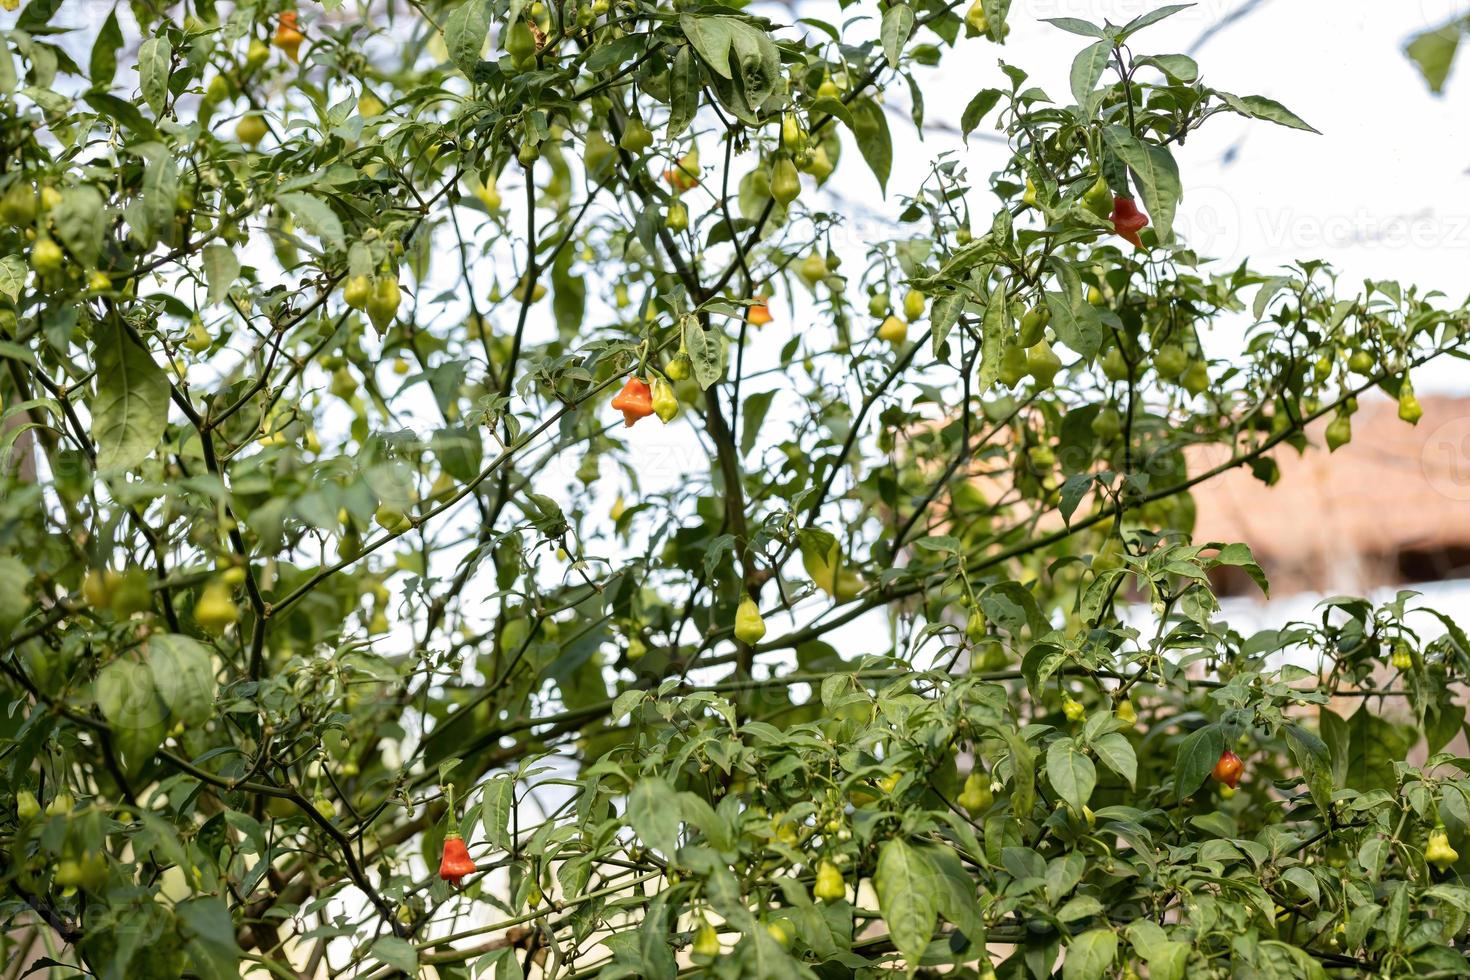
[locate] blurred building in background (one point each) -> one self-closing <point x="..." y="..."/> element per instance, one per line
<point x="1388" y="511"/>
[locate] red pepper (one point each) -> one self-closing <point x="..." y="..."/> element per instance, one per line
<point x="456" y="862"/>
<point x="1229" y="769"/>
<point x="1128" y="221"/>
<point x="635" y="401"/>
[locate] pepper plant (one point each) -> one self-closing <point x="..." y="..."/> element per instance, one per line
<point x="471" y="508"/>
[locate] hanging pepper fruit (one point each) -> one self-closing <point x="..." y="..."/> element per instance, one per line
<point x="677" y="216"/>
<point x="785" y="182"/>
<point x="679" y="367"/>
<point x="749" y="627"/>
<point x="1126" y="712"/>
<point x="1128" y="221"/>
<point x="1361" y="362"/>
<point x="520" y="44"/>
<point x="288" y="36"/>
<point x="1033" y="325"/>
<point x="1229" y="769"/>
<point x="913" y="305"/>
<point x="215" y="611"/>
<point x="636" y="137"/>
<point x="356" y="291"/>
<point x="257" y="53"/>
<point x="706" y="941"/>
<point x="684" y="174"/>
<point x="456" y="862"/>
<point x="1042" y="364"/>
<point x="1013" y="366"/>
<point x="1409" y="409"/>
<point x="976" y="796"/>
<point x="382" y="306"/>
<point x="665" y="405"/>
<point x="759" y="313"/>
<point x="27" y="807"/>
<point x="893" y="330"/>
<point x="635" y="401"/>
<point x="1438" y="852"/>
<point x="1196" y="377"/>
<point x="1339" y="431"/>
<point x="812" y="269"/>
<point x="1073" y="709"/>
<point x="1099" y="199"/>
<point x="1403" y="658"/>
<point x="829" y="886"/>
<point x="1029" y="197"/>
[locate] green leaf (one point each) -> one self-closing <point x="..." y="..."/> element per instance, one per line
<point x="398" y="953"/>
<point x="1156" y="173"/>
<point x="1087" y="71"/>
<point x="1152" y="17"/>
<point x="79" y="220"/>
<point x="1070" y="773"/>
<point x="134" y="712"/>
<point x="944" y="314"/>
<point x="497" y="801"/>
<point x="711" y="37"/>
<point x="752" y="414"/>
<point x="221" y="268"/>
<point x="1312" y="756"/>
<point x="15" y="578"/>
<point x="130" y="409"/>
<point x="316" y="216"/>
<point x="1076" y="322"/>
<point x="683" y="92"/>
<point x="906" y="887"/>
<point x="103" y="64"/>
<point x="209" y="934"/>
<point x="1434" y="53"/>
<point x="1116" y="752"/>
<point x="982" y="103"/>
<point x="1090" y="955"/>
<point x="1260" y="107"/>
<point x="653" y="812"/>
<point x="1074" y="25"/>
<point x="870" y="127"/>
<point x="183" y="673"/>
<point x="995" y="329"/>
<point x="154" y="56"/>
<point x="706" y="352"/>
<point x="12" y="276"/>
<point x="898" y="24"/>
<point x="465" y="31"/>
<point x="1198" y="754"/>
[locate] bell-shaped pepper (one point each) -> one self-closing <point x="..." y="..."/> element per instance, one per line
<point x="635" y="401"/>
<point x="1128" y="221"/>
<point x="456" y="862"/>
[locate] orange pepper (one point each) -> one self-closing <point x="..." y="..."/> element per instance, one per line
<point x="456" y="862"/>
<point x="635" y="401"/>
<point x="288" y="36"/>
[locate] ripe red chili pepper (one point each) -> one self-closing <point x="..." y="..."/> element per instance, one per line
<point x="456" y="862"/>
<point x="635" y="401"/>
<point x="1128" y="221"/>
<point x="1229" y="769"/>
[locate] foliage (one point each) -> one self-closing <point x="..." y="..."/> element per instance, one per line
<point x="305" y="560"/>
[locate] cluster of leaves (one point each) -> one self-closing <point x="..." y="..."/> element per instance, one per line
<point x="306" y="556"/>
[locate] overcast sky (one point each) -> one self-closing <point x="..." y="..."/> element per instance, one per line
<point x="1380" y="194"/>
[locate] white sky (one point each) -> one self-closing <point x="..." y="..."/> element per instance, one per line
<point x="1381" y="194"/>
